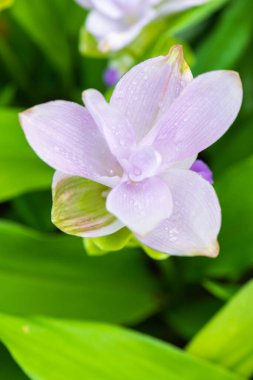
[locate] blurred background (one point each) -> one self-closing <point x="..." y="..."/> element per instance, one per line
<point x="45" y="55"/>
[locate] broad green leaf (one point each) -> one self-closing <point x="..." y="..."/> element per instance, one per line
<point x="20" y="169"/>
<point x="226" y="43"/>
<point x="8" y="368"/>
<point x="45" y="26"/>
<point x="228" y="338"/>
<point x="52" y="275"/>
<point x="56" y="350"/>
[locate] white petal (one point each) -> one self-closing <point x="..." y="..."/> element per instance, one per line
<point x="147" y="91"/>
<point x="141" y="206"/>
<point x="195" y="222"/>
<point x="64" y="135"/>
<point x="202" y="113"/>
<point x="118" y="132"/>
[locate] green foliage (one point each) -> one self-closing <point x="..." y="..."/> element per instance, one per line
<point x="5" y="4"/>
<point x="52" y="275"/>
<point x="20" y="169"/>
<point x="52" y="349"/>
<point x="228" y="338"/>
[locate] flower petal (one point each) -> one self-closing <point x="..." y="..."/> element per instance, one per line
<point x="148" y="89"/>
<point x="85" y="3"/>
<point x="141" y="206"/>
<point x="79" y="207"/>
<point x="116" y="40"/>
<point x="174" y="6"/>
<point x="64" y="135"/>
<point x="199" y="116"/>
<point x="100" y="25"/>
<point x="109" y="8"/>
<point x="118" y="132"/>
<point x="195" y="222"/>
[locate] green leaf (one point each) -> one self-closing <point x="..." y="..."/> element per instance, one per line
<point x="226" y="43"/>
<point x="228" y="338"/>
<point x="190" y="314"/>
<point x="51" y="275"/>
<point x="221" y="291"/>
<point x="20" y="169"/>
<point x="8" y="368"/>
<point x="182" y="22"/>
<point x="58" y="350"/>
<point x="5" y="4"/>
<point x="43" y="23"/>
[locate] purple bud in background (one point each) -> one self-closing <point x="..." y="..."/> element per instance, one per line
<point x="111" y="76"/>
<point x="201" y="168"/>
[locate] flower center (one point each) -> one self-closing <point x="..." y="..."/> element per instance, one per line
<point x="143" y="164"/>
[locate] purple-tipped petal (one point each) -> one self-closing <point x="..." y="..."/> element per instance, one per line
<point x="203" y="169"/>
<point x="195" y="222"/>
<point x="64" y="135"/>
<point x="141" y="206"/>
<point x="199" y="116"/>
<point x="146" y="92"/>
<point x="118" y="132"/>
<point x="79" y="207"/>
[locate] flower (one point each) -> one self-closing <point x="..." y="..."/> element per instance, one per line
<point x="116" y="23"/>
<point x="127" y="163"/>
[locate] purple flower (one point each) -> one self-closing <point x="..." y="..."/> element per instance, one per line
<point x="111" y="76"/>
<point x="127" y="163"/>
<point x="201" y="168"/>
<point x="116" y="23"/>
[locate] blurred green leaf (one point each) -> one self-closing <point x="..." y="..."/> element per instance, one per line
<point x="190" y="314"/>
<point x="5" y="3"/>
<point x="33" y="210"/>
<point x="226" y="43"/>
<point x="8" y="368"/>
<point x="228" y="338"/>
<point x="44" y="25"/>
<point x="52" y="275"/>
<point x="221" y="290"/>
<point x="229" y="148"/>
<point x="181" y="22"/>
<point x="20" y="169"/>
<point x="52" y="350"/>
